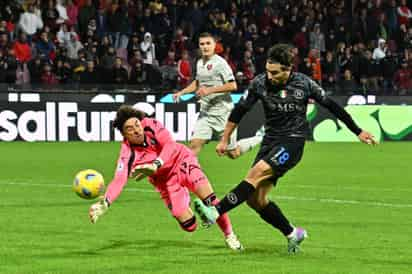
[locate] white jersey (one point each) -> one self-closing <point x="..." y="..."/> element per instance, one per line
<point x="214" y="72"/>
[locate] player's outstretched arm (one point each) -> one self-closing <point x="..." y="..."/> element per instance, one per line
<point x="317" y="93"/>
<point x="346" y="118"/>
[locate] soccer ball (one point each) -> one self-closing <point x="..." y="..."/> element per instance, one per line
<point x="88" y="184"/>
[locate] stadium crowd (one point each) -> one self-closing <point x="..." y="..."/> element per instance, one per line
<point x="359" y="46"/>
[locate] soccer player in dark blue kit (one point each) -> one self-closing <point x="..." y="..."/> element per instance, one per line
<point x="285" y="95"/>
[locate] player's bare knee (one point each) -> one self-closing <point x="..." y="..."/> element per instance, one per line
<point x="251" y="202"/>
<point x="189" y="225"/>
<point x="257" y="202"/>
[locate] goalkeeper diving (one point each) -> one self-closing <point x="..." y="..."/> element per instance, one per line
<point x="148" y="150"/>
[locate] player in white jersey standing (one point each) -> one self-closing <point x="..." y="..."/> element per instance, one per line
<point x="213" y="83"/>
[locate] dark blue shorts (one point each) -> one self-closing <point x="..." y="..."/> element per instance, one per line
<point x="281" y="154"/>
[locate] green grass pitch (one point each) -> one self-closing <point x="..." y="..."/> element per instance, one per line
<point x="354" y="200"/>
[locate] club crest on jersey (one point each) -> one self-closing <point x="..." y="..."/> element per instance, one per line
<point x="283" y="93"/>
<point x="298" y="94"/>
<point x="209" y="67"/>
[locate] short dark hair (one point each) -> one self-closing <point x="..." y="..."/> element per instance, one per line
<point x="281" y="53"/>
<point x="124" y="113"/>
<point x="206" y="34"/>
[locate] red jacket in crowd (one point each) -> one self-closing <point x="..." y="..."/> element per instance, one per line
<point x="22" y="51"/>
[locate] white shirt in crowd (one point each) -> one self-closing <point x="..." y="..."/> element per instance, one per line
<point x="148" y="49"/>
<point x="29" y="23"/>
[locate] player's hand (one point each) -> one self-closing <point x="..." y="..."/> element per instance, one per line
<point x="367" y="138"/>
<point x="141" y="171"/>
<point x="221" y="148"/>
<point x="176" y="97"/>
<point x="202" y="91"/>
<point x="98" y="209"/>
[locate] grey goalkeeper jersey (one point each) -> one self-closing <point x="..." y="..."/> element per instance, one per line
<point x="214" y="72"/>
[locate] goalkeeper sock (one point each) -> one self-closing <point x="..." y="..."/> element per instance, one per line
<point x="249" y="143"/>
<point x="234" y="198"/>
<point x="274" y="216"/>
<point x="223" y="221"/>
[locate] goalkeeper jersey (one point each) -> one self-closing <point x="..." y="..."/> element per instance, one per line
<point x="158" y="143"/>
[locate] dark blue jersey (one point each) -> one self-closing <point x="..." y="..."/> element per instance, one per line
<point x="285" y="106"/>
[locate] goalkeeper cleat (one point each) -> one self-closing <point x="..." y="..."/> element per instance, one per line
<point x="296" y="239"/>
<point x="233" y="242"/>
<point x="207" y="214"/>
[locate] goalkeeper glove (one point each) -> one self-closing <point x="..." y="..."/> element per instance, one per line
<point x="98" y="209"/>
<point x="141" y="171"/>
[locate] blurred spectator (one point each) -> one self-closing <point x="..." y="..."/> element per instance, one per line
<point x="50" y="15"/>
<point x="63" y="71"/>
<point x="101" y="22"/>
<point x="317" y="39"/>
<point x="380" y="51"/>
<point x="86" y="13"/>
<point x="72" y="13"/>
<point x="119" y="73"/>
<point x="30" y="22"/>
<point x="402" y="79"/>
<point x="136" y="58"/>
<point x="90" y="75"/>
<point x="179" y="43"/>
<point x="300" y="40"/>
<point x="138" y="75"/>
<point x="148" y="50"/>
<point x="388" y="66"/>
<point x="247" y="67"/>
<point x="347" y="85"/>
<point x="340" y="30"/>
<point x="169" y="70"/>
<point x="133" y="45"/>
<point x="4" y="42"/>
<point x="35" y="69"/>
<point x="73" y="46"/>
<point x="2" y="68"/>
<point x="22" y="49"/>
<point x="48" y="77"/>
<point x="369" y="70"/>
<point x="44" y="47"/>
<point x="62" y="12"/>
<point x="63" y="35"/>
<point x="314" y="60"/>
<point x="10" y="66"/>
<point x="404" y="13"/>
<point x="328" y="70"/>
<point x="103" y="46"/>
<point x="184" y="70"/>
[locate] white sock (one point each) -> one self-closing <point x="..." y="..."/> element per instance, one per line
<point x="248" y="143"/>
<point x="293" y="233"/>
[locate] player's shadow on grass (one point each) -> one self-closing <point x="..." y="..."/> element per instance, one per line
<point x="156" y="245"/>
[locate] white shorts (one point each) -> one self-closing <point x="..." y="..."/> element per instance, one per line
<point x="211" y="128"/>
